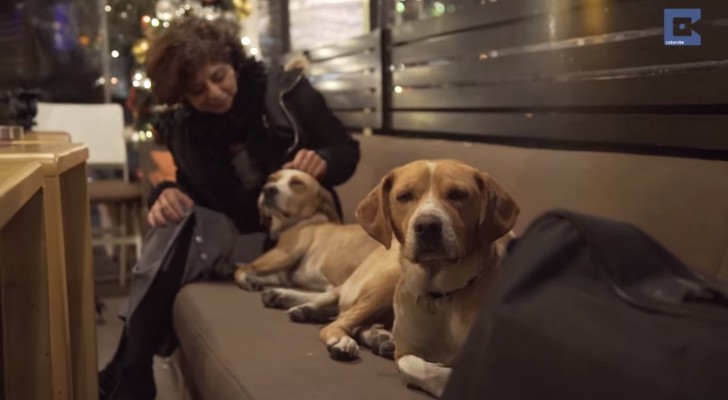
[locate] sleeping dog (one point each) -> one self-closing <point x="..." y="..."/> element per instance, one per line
<point x="314" y="251"/>
<point x="447" y="222"/>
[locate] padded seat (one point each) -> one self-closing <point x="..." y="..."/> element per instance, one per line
<point x="113" y="191"/>
<point x="231" y="347"/>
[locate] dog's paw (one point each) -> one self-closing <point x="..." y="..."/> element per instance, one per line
<point x="272" y="298"/>
<point x="249" y="281"/>
<point x="301" y="314"/>
<point x="343" y="349"/>
<point x="383" y="343"/>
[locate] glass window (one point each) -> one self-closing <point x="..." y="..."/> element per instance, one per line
<point x="56" y="48"/>
<point x="316" y="23"/>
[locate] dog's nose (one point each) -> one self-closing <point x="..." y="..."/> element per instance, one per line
<point x="428" y="228"/>
<point x="270" y="192"/>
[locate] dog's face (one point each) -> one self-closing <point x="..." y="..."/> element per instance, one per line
<point x="438" y="210"/>
<point x="290" y="196"/>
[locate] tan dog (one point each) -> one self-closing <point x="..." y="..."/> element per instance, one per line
<point x="314" y="252"/>
<point x="449" y="220"/>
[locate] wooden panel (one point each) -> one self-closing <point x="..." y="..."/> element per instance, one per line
<point x="360" y="119"/>
<point x="79" y="280"/>
<point x="488" y="14"/>
<point x="621" y="17"/>
<point x="697" y="88"/>
<point x="351" y="46"/>
<point x="350" y="100"/>
<point x="347" y="82"/>
<point x="703" y="132"/>
<point x="615" y="55"/>
<point x="353" y="63"/>
<point x="24" y="302"/>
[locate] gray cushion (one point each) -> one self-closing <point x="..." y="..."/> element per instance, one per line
<point x="231" y="347"/>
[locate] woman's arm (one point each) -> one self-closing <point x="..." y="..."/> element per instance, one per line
<point x="326" y="133"/>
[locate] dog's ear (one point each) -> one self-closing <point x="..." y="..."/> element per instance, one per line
<point x="373" y="212"/>
<point x="498" y="210"/>
<point x="327" y="206"/>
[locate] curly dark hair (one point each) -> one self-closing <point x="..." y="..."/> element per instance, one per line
<point x="175" y="57"/>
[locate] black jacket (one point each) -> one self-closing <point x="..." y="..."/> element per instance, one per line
<point x="296" y="117"/>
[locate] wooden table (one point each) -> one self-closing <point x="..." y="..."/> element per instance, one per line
<point x="46" y="137"/>
<point x="24" y="304"/>
<point x="70" y="270"/>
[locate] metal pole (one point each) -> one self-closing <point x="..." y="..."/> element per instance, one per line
<point x="105" y="52"/>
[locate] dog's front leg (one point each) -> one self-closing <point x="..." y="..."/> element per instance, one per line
<point x="425" y="375"/>
<point x="253" y="276"/>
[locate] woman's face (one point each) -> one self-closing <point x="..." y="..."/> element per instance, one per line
<point x="213" y="89"/>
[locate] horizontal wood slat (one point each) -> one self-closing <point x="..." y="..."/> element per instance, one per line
<point x="703" y="132"/>
<point x="348" y="82"/>
<point x="634" y="53"/>
<point x="353" y="63"/>
<point x="352" y="46"/>
<point x="351" y="100"/>
<point x="699" y="88"/>
<point x="630" y="19"/>
<point x="360" y="119"/>
<point x="489" y="13"/>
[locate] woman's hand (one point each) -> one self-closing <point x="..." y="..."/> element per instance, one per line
<point x="310" y="162"/>
<point x="171" y="206"/>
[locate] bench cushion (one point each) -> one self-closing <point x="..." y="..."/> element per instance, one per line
<point x="231" y="347"/>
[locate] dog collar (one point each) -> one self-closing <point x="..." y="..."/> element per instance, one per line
<point x="438" y="295"/>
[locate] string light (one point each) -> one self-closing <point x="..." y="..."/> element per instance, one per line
<point x="245" y="41"/>
<point x="114" y="54"/>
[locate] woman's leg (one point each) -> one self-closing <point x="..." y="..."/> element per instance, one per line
<point x="130" y="374"/>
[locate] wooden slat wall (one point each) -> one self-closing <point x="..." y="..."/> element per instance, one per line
<point x="572" y="71"/>
<point x="349" y="75"/>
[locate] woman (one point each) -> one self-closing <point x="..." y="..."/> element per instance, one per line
<point x="236" y="124"/>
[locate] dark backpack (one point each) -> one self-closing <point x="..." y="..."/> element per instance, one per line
<point x="593" y="309"/>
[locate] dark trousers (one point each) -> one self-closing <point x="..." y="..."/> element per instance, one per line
<point x="151" y="323"/>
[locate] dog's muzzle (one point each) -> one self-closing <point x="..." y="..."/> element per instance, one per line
<point x="269" y="194"/>
<point x="429" y="237"/>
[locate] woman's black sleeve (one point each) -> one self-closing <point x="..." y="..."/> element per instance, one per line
<point x="327" y="134"/>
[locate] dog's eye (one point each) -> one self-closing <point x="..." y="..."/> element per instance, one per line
<point x="457" y="195"/>
<point x="296" y="182"/>
<point x="405" y="197"/>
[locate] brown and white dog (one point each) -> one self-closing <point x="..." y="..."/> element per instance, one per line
<point x="314" y="251"/>
<point x="450" y="221"/>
